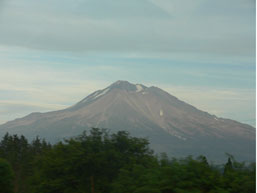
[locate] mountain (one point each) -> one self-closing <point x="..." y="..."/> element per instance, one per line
<point x="170" y="124"/>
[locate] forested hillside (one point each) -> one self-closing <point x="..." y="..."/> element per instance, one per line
<point x="99" y="162"/>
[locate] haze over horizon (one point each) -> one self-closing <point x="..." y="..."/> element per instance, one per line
<point x="53" y="56"/>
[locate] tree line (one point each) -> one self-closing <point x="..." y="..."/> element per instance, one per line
<point x="100" y="162"/>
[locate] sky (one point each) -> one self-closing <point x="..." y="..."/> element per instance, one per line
<point x="53" y="53"/>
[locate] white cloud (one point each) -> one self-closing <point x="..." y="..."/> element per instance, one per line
<point x="39" y="89"/>
<point x="196" y="31"/>
<point x="190" y="29"/>
<point x="28" y="89"/>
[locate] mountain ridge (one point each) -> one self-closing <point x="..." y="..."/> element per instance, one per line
<point x="170" y="124"/>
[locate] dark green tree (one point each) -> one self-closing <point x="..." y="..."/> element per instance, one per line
<point x="6" y="177"/>
<point x="99" y="162"/>
<point x="89" y="162"/>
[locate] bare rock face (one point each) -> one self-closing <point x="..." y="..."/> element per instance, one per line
<point x="171" y="125"/>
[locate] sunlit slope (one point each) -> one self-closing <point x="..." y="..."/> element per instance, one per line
<point x="171" y="125"/>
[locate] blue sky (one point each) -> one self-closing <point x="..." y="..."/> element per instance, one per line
<point x="54" y="53"/>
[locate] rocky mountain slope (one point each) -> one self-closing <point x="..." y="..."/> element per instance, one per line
<point x="171" y="125"/>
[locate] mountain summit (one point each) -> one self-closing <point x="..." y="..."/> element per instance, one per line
<point x="171" y="125"/>
<point x="125" y="85"/>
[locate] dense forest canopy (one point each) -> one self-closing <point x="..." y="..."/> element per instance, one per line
<point x="99" y="162"/>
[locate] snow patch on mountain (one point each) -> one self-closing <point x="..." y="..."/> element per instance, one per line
<point x="176" y="135"/>
<point x="161" y="113"/>
<point x="101" y="93"/>
<point x="139" y="88"/>
<point x="90" y="97"/>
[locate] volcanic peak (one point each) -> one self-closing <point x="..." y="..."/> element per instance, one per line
<point x="125" y="85"/>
